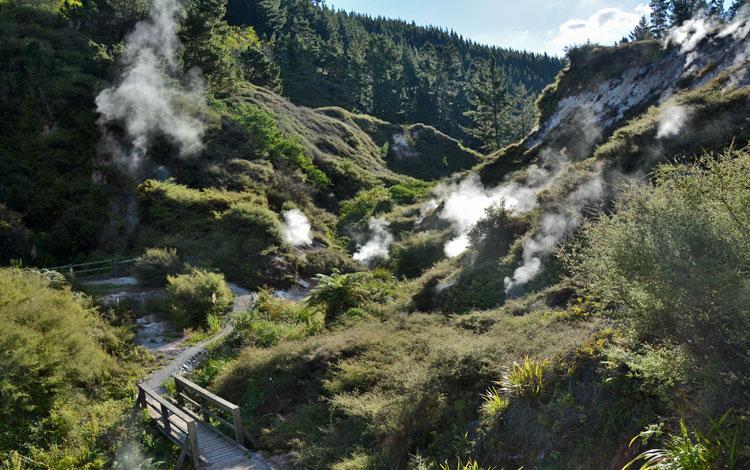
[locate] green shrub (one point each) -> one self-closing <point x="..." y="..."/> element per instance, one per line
<point x="325" y="261"/>
<point x="693" y="450"/>
<point x="246" y="244"/>
<point x="273" y="319"/>
<point x="367" y="203"/>
<point x="409" y="191"/>
<point x="397" y="387"/>
<point x="341" y="293"/>
<point x="672" y="264"/>
<point x="47" y="350"/>
<point x="270" y="142"/>
<point x="155" y="264"/>
<point x="63" y="398"/>
<point x="416" y="254"/>
<point x="461" y="465"/>
<point x="494" y="404"/>
<point x="196" y="295"/>
<point x="338" y="293"/>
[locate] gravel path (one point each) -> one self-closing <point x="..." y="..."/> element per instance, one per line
<point x="187" y="359"/>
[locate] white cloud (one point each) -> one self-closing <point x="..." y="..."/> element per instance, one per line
<point x="606" y="26"/>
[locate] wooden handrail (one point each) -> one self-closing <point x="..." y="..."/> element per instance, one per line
<point x="203" y="398"/>
<point x="165" y="404"/>
<point x="198" y="390"/>
<point x="167" y="410"/>
<point x="95" y="268"/>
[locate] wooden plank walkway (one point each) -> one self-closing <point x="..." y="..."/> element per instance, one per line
<point x="182" y="426"/>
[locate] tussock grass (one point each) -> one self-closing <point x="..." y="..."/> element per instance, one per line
<point x="391" y="387"/>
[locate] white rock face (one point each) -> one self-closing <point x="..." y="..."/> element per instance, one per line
<point x="703" y="52"/>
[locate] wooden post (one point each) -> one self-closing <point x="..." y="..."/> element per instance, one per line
<point x="165" y="417"/>
<point x="238" y="431"/>
<point x="114" y="266"/>
<point x="178" y="392"/>
<point x="141" y="397"/>
<point x="204" y="409"/>
<point x="192" y="438"/>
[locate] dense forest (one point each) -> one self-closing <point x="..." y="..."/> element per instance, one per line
<point x="392" y="69"/>
<point x="389" y="246"/>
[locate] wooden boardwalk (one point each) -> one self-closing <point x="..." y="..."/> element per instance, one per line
<point x="186" y="423"/>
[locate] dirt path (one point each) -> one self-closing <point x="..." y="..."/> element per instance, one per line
<point x="185" y="359"/>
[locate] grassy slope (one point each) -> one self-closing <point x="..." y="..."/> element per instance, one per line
<point x="384" y="389"/>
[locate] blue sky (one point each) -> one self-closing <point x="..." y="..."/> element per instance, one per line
<point x="535" y="25"/>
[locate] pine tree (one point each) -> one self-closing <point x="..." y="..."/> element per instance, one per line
<point x="735" y="8"/>
<point x="684" y="10"/>
<point x="524" y="113"/>
<point x="491" y="106"/>
<point x="258" y="69"/>
<point x="659" y="17"/>
<point x="642" y="31"/>
<point x="715" y="8"/>
<point x="385" y="71"/>
<point x="447" y="84"/>
<point x="203" y="32"/>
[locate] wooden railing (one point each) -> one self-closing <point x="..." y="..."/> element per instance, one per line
<point x="210" y="408"/>
<point x="177" y="425"/>
<point x="107" y="268"/>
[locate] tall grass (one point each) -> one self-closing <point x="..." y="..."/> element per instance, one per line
<point x="525" y="380"/>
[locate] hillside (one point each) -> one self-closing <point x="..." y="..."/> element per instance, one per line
<point x="575" y="299"/>
<point x="436" y="374"/>
<point x="394" y="70"/>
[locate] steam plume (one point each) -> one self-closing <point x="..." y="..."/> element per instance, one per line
<point x="672" y="121"/>
<point x="379" y="243"/>
<point x="149" y="98"/>
<point x="465" y="203"/>
<point x="555" y="226"/>
<point x="296" y="228"/>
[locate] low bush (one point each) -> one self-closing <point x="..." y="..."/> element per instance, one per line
<point x="325" y="261"/>
<point x="194" y="296"/>
<point x="671" y="263"/>
<point x="274" y="319"/>
<point x="67" y="376"/>
<point x="689" y="449"/>
<point x="366" y="204"/>
<point x="494" y="404"/>
<point x="283" y="151"/>
<point x="383" y="389"/>
<point x="414" y="255"/>
<point x="47" y="350"/>
<point x="340" y="293"/>
<point x="155" y="264"/>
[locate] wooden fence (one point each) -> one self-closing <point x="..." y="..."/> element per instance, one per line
<point x="107" y="268"/>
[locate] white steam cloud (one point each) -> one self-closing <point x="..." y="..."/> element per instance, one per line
<point x="672" y="121"/>
<point x="689" y="34"/>
<point x="296" y="228"/>
<point x="379" y="243"/>
<point x="555" y="226"/>
<point x="465" y="203"/>
<point x="149" y="97"/>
